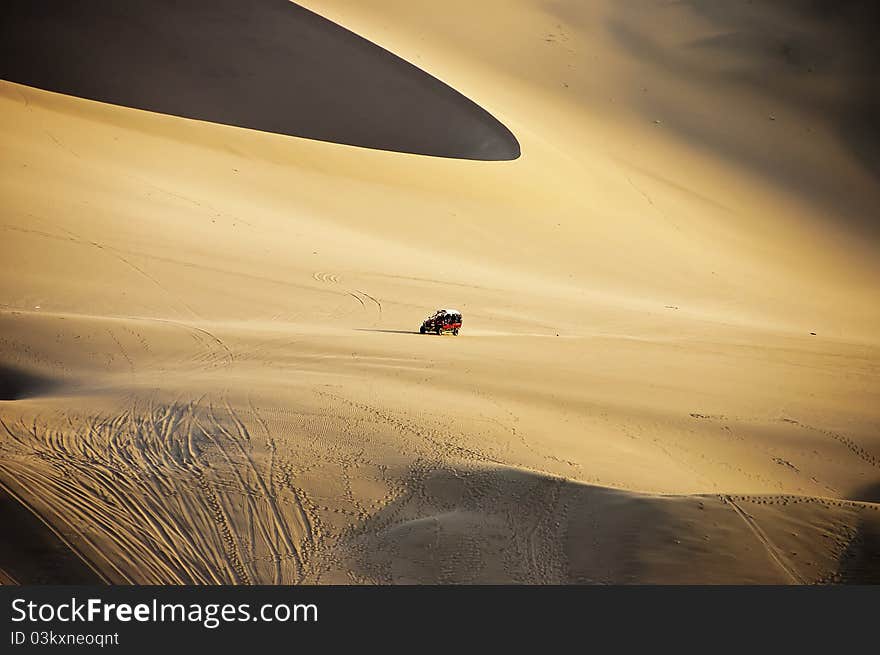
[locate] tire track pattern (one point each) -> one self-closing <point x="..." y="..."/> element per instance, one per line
<point x="177" y="493"/>
<point x="772" y="551"/>
<point x="361" y="296"/>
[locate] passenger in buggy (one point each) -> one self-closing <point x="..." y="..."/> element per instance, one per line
<point x="443" y="320"/>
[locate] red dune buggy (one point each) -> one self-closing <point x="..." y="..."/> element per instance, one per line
<point x="443" y="320"/>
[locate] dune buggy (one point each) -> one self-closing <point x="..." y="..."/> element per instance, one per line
<point x="443" y="320"/>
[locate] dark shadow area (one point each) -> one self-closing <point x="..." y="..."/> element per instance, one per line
<point x="267" y="65"/>
<point x="860" y="562"/>
<point x="16" y="383"/>
<point x="30" y="553"/>
<point x="812" y="57"/>
<point x="461" y="526"/>
<point x="506" y="525"/>
<point x="513" y="526"/>
<point x="840" y="42"/>
<point x="867" y="494"/>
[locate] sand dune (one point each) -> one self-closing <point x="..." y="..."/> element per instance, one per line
<point x="668" y="371"/>
<point x="270" y="65"/>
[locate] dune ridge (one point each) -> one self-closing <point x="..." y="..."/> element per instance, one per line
<point x="668" y="370"/>
<point x="270" y="65"/>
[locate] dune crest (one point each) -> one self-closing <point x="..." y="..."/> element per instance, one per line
<point x="271" y="66"/>
<point x="669" y="365"/>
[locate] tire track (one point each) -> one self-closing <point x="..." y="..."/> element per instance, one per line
<point x="228" y="357"/>
<point x="330" y="278"/>
<point x="218" y="353"/>
<point x="116" y="254"/>
<point x="357" y="294"/>
<point x="293" y="547"/>
<point x="253" y="521"/>
<point x="121" y="349"/>
<point x="6" y="579"/>
<point x="542" y="562"/>
<point x="765" y="541"/>
<point x="366" y="295"/>
<point x="139" y="485"/>
<point x="113" y="252"/>
<point x="147" y="460"/>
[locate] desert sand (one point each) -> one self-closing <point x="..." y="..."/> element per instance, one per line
<point x="669" y="369"/>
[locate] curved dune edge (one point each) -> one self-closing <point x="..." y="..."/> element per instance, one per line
<point x="649" y="326"/>
<point x="271" y="66"/>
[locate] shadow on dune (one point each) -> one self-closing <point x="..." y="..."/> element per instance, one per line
<point x="514" y="526"/>
<point x="867" y="494"/>
<point x="30" y="553"/>
<point x="16" y="383"/>
<point x="841" y="43"/>
<point x="268" y="65"/>
<point x="504" y="525"/>
<point x="860" y="562"/>
<point x="813" y="57"/>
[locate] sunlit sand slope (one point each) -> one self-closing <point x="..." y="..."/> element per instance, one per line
<point x="668" y="370"/>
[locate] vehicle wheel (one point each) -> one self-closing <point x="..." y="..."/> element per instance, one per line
<point x="439" y="331"/>
<point x="455" y="332"/>
<point x="422" y="330"/>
